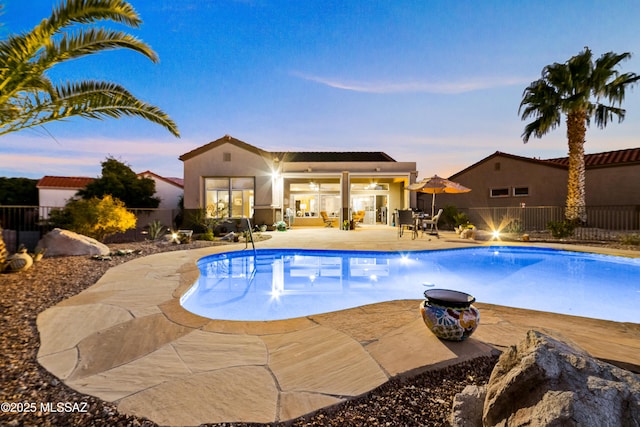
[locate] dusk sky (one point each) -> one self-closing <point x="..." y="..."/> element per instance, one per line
<point x="435" y="82"/>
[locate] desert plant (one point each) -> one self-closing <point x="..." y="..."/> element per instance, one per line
<point x="630" y="239"/>
<point x="207" y="235"/>
<point x="561" y="229"/>
<point x="280" y="226"/>
<point x="156" y="230"/>
<point x="200" y="221"/>
<point x="97" y="218"/>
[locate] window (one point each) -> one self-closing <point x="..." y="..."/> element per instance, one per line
<point x="226" y="157"/>
<point x="229" y="197"/>
<point x="499" y="192"/>
<point x="521" y="191"/>
<point x="496" y="166"/>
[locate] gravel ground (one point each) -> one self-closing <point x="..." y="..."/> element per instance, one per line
<point x="424" y="400"/>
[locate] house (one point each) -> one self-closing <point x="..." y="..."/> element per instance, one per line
<point x="56" y="191"/>
<point x="231" y="178"/>
<point x="168" y="190"/>
<point x="504" y="180"/>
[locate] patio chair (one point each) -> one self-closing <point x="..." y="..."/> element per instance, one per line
<point x="328" y="222"/>
<point x="433" y="223"/>
<point x="358" y="216"/>
<point x="405" y="221"/>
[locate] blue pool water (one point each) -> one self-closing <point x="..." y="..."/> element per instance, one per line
<point x="278" y="284"/>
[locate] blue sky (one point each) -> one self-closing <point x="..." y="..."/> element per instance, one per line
<point x="435" y="82"/>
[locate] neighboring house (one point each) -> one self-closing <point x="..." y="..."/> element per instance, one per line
<point x="612" y="184"/>
<point x="56" y="191"/>
<point x="168" y="190"/>
<point x="230" y="178"/>
<point x="505" y="180"/>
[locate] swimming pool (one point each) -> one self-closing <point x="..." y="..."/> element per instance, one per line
<point x="275" y="284"/>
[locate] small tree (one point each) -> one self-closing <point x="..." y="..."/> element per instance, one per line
<point x="18" y="191"/>
<point x="121" y="182"/>
<point x="97" y="218"/>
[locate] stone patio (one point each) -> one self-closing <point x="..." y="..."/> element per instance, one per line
<point x="127" y="340"/>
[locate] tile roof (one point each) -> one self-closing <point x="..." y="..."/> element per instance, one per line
<point x="607" y="158"/>
<point x="335" y="156"/>
<point x="294" y="156"/>
<point x="71" y="182"/>
<point x="171" y="180"/>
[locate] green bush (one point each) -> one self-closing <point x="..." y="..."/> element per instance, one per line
<point x="630" y="239"/>
<point x="451" y="218"/>
<point x="199" y="221"/>
<point x="97" y="218"/>
<point x="207" y="235"/>
<point x="561" y="229"/>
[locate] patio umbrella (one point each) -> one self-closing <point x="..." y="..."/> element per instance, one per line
<point x="436" y="185"/>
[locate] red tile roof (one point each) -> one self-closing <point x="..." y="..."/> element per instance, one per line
<point x="171" y="180"/>
<point x="608" y="158"/>
<point x="71" y="182"/>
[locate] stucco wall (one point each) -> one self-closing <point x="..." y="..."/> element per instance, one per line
<point x="168" y="193"/>
<point x="613" y="186"/>
<point x="52" y="197"/>
<point x="604" y="186"/>
<point x="547" y="185"/>
<point x="243" y="163"/>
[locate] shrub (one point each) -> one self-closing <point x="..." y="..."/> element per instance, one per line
<point x="451" y="218"/>
<point x="561" y="229"/>
<point x="156" y="230"/>
<point x="630" y="239"/>
<point x="207" y="235"/>
<point x="97" y="218"/>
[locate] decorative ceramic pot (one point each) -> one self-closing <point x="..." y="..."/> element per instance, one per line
<point x="449" y="314"/>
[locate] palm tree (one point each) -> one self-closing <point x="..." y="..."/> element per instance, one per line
<point x="28" y="98"/>
<point x="576" y="89"/>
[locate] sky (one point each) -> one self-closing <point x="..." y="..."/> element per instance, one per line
<point x="435" y="82"/>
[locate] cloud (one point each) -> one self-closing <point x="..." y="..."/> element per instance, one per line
<point x="81" y="156"/>
<point x="382" y="87"/>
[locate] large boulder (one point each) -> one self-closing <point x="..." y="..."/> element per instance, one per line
<point x="545" y="382"/>
<point x="60" y="242"/>
<point x="468" y="407"/>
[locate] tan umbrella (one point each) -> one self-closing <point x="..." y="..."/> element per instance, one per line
<point x="436" y="185"/>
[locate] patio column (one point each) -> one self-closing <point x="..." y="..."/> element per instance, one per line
<point x="345" y="190"/>
<point x="413" y="195"/>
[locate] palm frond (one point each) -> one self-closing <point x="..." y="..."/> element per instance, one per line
<point x="27" y="96"/>
<point x="88" y="11"/>
<point x="603" y="114"/>
<point x="90" y="41"/>
<point x="89" y="99"/>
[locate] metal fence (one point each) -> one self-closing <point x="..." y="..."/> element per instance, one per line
<point x="603" y="222"/>
<point x="25" y="225"/>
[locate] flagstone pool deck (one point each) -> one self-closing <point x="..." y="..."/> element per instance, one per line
<point x="127" y="340"/>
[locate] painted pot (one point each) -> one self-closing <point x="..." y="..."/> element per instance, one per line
<point x="449" y="314"/>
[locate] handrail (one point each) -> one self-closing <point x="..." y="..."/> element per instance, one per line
<point x="253" y="244"/>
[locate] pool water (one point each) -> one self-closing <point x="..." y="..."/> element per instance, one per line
<point x="274" y="284"/>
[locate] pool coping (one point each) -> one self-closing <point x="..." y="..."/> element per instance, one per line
<point x="127" y="340"/>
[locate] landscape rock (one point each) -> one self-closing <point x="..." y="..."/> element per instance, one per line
<point x="60" y="242"/>
<point x="468" y="406"/>
<point x="545" y="382"/>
